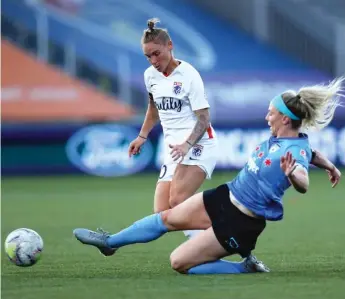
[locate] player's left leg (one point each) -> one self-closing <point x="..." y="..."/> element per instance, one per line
<point x="186" y="181"/>
<point x="201" y="255"/>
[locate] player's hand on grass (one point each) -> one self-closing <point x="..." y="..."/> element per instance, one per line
<point x="334" y="176"/>
<point x="135" y="146"/>
<point x="288" y="164"/>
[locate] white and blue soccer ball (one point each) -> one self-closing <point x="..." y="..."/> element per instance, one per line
<point x="24" y="247"/>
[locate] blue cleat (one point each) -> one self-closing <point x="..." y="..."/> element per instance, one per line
<point x="253" y="265"/>
<point x="97" y="239"/>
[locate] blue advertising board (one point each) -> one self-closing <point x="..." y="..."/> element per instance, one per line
<point x="101" y="149"/>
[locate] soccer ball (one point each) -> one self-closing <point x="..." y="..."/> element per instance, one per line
<point x="23" y="247"/>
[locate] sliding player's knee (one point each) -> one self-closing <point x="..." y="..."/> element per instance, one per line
<point x="178" y="264"/>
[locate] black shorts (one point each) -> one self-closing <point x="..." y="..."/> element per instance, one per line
<point x="235" y="231"/>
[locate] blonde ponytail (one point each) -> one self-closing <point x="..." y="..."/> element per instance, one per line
<point x="320" y="102"/>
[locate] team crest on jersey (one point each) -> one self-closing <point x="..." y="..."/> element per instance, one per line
<point x="197" y="150"/>
<point x="177" y="87"/>
<point x="274" y="148"/>
<point x="303" y="153"/>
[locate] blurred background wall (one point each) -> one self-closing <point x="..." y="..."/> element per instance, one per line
<point x="73" y="96"/>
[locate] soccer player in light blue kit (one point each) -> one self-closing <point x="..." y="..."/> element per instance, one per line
<point x="234" y="214"/>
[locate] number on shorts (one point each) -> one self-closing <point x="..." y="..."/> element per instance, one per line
<point x="163" y="172"/>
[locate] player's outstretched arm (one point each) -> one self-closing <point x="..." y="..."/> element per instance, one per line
<point x="297" y="174"/>
<point x="320" y="161"/>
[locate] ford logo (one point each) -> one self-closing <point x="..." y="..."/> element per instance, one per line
<point x="102" y="150"/>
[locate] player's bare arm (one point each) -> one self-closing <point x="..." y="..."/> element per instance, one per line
<point x="151" y="118"/>
<point x="203" y="122"/>
<point x="200" y="127"/>
<point x="320" y="161"/>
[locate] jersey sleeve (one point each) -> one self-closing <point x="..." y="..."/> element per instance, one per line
<point x="302" y="155"/>
<point x="147" y="81"/>
<point x="197" y="95"/>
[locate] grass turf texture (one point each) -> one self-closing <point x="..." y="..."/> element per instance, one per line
<point x="305" y="251"/>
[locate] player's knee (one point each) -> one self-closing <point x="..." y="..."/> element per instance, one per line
<point x="178" y="264"/>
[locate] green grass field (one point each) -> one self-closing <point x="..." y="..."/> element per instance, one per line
<point x="305" y="251"/>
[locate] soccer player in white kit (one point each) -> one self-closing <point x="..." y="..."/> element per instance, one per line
<point x="177" y="98"/>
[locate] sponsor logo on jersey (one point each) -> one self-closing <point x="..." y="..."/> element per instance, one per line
<point x="169" y="103"/>
<point x="252" y="165"/>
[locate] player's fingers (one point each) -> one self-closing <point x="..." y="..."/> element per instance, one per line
<point x="334" y="183"/>
<point x="289" y="156"/>
<point x="177" y="157"/>
<point x="293" y="162"/>
<point x="131" y="151"/>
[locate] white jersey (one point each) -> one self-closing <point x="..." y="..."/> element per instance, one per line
<point x="176" y="97"/>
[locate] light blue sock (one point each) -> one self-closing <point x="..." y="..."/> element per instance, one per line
<point x="219" y="267"/>
<point x="142" y="231"/>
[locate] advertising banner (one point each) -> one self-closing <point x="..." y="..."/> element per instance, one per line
<point x="32" y="91"/>
<point x="101" y="150"/>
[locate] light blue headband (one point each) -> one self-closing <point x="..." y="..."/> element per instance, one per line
<point x="279" y="104"/>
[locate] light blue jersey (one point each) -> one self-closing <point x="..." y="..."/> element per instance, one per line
<point x="261" y="184"/>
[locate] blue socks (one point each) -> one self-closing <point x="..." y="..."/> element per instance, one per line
<point x="219" y="267"/>
<point x="151" y="228"/>
<point x="142" y="231"/>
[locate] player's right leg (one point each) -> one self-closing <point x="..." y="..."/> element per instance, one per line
<point x="191" y="214"/>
